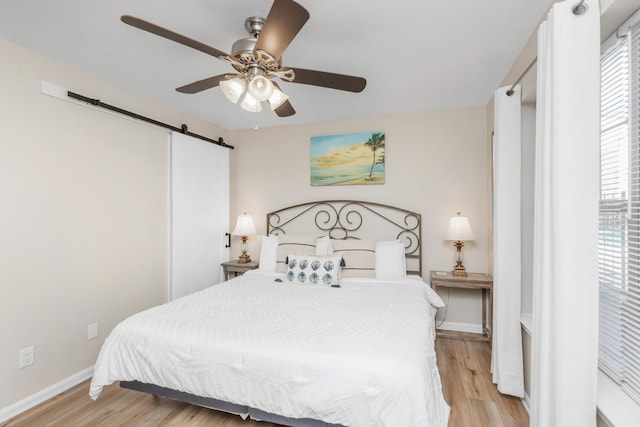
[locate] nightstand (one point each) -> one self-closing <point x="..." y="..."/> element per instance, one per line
<point x="471" y="281"/>
<point x="237" y="268"/>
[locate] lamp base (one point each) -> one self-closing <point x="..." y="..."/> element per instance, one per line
<point x="458" y="269"/>
<point x="460" y="272"/>
<point x="244" y="258"/>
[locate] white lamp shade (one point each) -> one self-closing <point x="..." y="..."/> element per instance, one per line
<point x="244" y="226"/>
<point x="232" y="89"/>
<point x="277" y="98"/>
<point x="260" y="88"/>
<point x="249" y="103"/>
<point x="459" y="229"/>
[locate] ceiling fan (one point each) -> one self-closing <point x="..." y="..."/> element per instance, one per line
<point x="258" y="60"/>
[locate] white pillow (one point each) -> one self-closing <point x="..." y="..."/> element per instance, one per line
<point x="313" y="270"/>
<point x="390" y="260"/>
<point x="323" y="246"/>
<point x="268" y="253"/>
<point x="358" y="255"/>
<point x="293" y="244"/>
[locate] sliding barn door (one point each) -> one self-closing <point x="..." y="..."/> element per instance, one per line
<point x="199" y="213"/>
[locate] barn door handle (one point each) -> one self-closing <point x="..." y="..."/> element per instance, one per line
<point x="228" y="245"/>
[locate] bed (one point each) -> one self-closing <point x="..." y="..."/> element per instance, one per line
<point x="336" y="328"/>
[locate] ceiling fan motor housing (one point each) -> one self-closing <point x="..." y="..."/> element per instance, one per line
<point x="243" y="47"/>
<point x="245" y="60"/>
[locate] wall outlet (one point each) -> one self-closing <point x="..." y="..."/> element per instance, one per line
<point x="27" y="356"/>
<point x="92" y="331"/>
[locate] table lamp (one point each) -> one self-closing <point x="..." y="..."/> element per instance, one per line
<point x="244" y="228"/>
<point x="459" y="231"/>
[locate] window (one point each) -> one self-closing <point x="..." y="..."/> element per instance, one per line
<point x="619" y="234"/>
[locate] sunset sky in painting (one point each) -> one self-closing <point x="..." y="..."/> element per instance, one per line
<point x="344" y="159"/>
<point x="341" y="152"/>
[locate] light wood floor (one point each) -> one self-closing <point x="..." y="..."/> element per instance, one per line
<point x="465" y="370"/>
<point x="464" y="367"/>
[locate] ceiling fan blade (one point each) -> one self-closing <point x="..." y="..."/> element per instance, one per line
<point x="330" y="80"/>
<point x="283" y="23"/>
<point x="203" y="84"/>
<point x="285" y="110"/>
<point x="168" y="34"/>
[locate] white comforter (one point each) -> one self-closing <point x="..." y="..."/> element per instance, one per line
<point x="359" y="355"/>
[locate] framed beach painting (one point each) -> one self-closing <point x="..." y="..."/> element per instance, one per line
<point x="348" y="159"/>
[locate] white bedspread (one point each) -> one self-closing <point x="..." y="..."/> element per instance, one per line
<point x="359" y="355"/>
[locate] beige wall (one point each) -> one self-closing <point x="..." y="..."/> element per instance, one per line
<point x="436" y="164"/>
<point x="84" y="217"/>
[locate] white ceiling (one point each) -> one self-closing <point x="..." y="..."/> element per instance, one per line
<point x="417" y="55"/>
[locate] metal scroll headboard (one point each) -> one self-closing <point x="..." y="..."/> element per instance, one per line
<point x="352" y="219"/>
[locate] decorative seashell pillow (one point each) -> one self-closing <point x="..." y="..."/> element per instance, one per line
<point x="313" y="270"/>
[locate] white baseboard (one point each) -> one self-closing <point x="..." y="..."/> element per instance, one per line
<point x="526" y="402"/>
<point x="472" y="328"/>
<point x="45" y="394"/>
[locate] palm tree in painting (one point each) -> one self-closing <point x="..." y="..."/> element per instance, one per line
<point x="376" y="142"/>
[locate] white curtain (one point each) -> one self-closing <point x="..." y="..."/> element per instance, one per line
<point x="506" y="351"/>
<point x="565" y="265"/>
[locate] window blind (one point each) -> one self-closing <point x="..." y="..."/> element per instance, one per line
<point x="619" y="234"/>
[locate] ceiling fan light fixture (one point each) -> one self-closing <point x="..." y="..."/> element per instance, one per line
<point x="233" y="89"/>
<point x="249" y="103"/>
<point x="260" y="88"/>
<point x="277" y="98"/>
